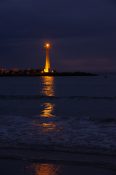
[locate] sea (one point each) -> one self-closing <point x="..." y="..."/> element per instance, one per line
<point x="74" y="114"/>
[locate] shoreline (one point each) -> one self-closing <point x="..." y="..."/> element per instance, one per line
<point x="38" y="73"/>
<point x="58" y="156"/>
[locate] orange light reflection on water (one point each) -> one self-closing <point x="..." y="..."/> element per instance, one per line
<point x="47" y="86"/>
<point x="47" y="90"/>
<point x="47" y="107"/>
<point x="47" y="110"/>
<point x="47" y="127"/>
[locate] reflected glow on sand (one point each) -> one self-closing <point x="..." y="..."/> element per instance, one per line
<point x="45" y="169"/>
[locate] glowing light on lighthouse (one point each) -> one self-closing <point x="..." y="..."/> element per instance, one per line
<point x="47" y="62"/>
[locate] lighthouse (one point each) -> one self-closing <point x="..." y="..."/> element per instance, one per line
<point x="47" y="67"/>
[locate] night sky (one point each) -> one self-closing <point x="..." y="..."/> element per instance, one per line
<point x="82" y="33"/>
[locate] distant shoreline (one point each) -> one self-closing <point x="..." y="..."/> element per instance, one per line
<point x="33" y="72"/>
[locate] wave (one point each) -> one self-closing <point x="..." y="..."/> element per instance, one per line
<point x="26" y="137"/>
<point x="53" y="148"/>
<point x="104" y="162"/>
<point x="34" y="97"/>
<point x="67" y="135"/>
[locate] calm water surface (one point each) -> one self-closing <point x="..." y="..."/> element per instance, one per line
<point x="60" y="113"/>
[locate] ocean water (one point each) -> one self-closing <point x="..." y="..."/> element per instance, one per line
<point x="73" y="114"/>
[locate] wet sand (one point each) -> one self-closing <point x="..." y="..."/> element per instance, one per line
<point x="18" y="167"/>
<point x="25" y="162"/>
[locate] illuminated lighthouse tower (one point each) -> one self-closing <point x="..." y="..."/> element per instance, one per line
<point x="47" y="62"/>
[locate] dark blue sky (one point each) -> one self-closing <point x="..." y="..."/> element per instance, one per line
<point x="83" y="33"/>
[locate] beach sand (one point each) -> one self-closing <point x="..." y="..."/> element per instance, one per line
<point x="54" y="163"/>
<point x="18" y="167"/>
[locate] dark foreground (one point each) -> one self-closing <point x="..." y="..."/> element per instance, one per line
<point x="52" y="163"/>
<point x="26" y="168"/>
<point x="28" y="162"/>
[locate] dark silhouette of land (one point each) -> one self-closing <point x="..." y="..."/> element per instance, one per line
<point x="38" y="72"/>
